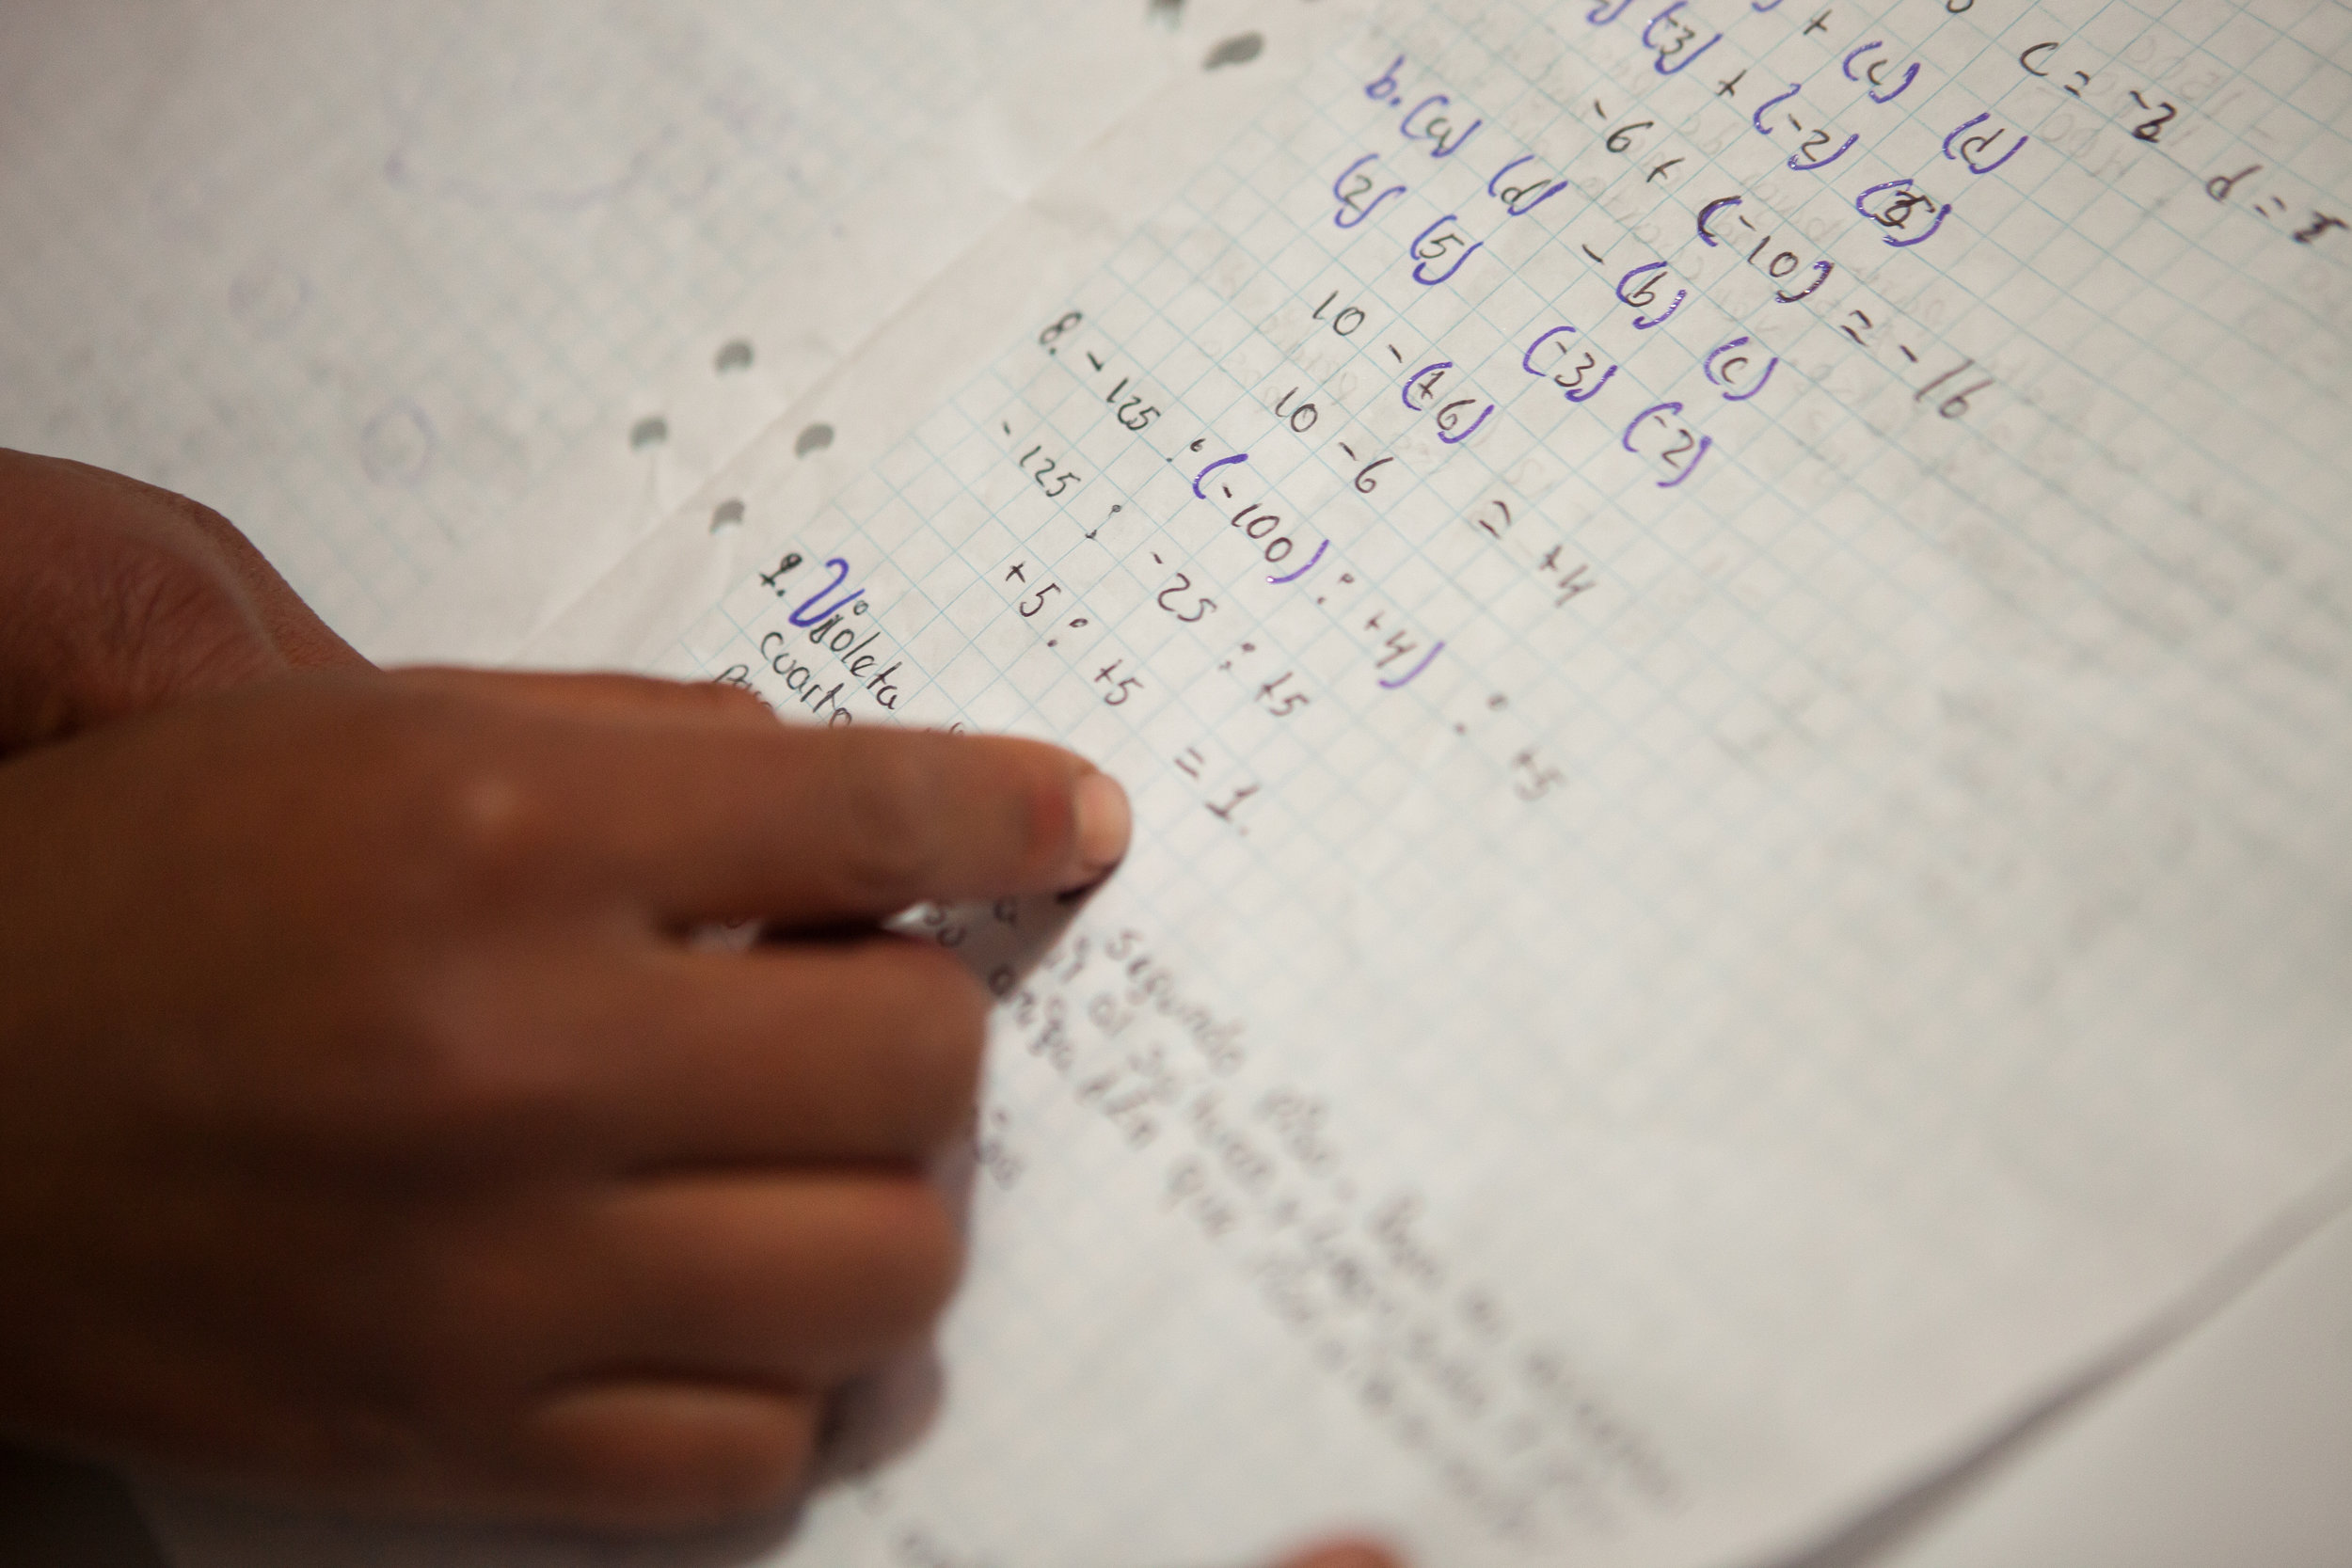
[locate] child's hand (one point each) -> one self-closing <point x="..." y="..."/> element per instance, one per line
<point x="117" y="597"/>
<point x="364" y="1128"/>
<point x="368" y="1129"/>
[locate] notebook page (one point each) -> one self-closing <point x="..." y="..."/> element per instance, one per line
<point x="362" y="277"/>
<point x="1694" y="950"/>
<point x="1052" y="90"/>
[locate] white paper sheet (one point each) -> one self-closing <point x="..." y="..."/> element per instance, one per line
<point x="1691" y="953"/>
<point x="445" y="303"/>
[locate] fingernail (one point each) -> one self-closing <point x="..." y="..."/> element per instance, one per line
<point x="1105" y="821"/>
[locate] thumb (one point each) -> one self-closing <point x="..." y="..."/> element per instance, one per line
<point x="118" y="597"/>
<point x="293" y="627"/>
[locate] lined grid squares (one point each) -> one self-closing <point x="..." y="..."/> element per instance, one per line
<point x="1820" y="614"/>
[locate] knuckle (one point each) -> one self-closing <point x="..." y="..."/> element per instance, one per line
<point x="182" y="614"/>
<point x="473" y="810"/>
<point x="487" y="823"/>
<point x="473" y="1080"/>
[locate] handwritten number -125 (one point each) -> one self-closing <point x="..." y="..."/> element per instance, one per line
<point x="1050" y="477"/>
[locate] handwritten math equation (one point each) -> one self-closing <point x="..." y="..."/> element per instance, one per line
<point x="1289" y="565"/>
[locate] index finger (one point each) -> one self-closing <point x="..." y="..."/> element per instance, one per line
<point x="710" y="820"/>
